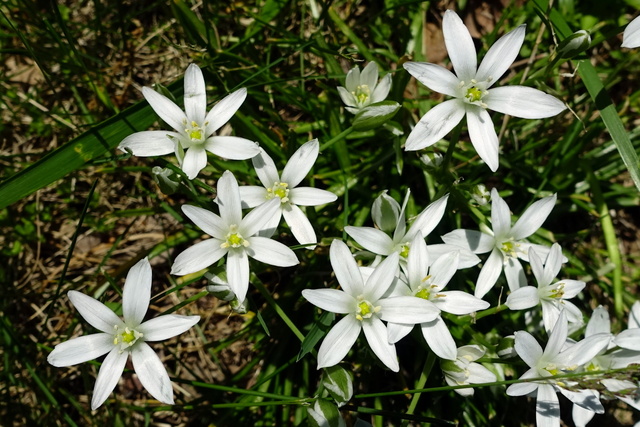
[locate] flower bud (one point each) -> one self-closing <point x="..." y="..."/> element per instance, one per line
<point x="573" y="45"/>
<point x="167" y="180"/>
<point x="385" y="212"/>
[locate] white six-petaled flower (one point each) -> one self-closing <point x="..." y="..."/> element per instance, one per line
<point x="121" y="337"/>
<point x="464" y="370"/>
<point x="285" y="188"/>
<point x="363" y="88"/>
<point x="471" y="88"/>
<point x="194" y="133"/>
<point x="365" y="307"/>
<point x="234" y="236"/>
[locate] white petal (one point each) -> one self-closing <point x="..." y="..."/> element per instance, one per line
<point x="376" y="334"/>
<point x="346" y="96"/>
<point x="136" y="293"/>
<point x="300" y="163"/>
<point x="629" y="339"/>
<point x="238" y="272"/>
<point x="195" y="97"/>
<point x="581" y="416"/>
<point x="152" y="373"/>
<point x="407" y="310"/>
<point x="600" y="323"/>
<point x="371" y="239"/>
<point x="434" y="125"/>
<point x="466" y="258"/>
<point x="166" y="109"/>
<point x="524" y="102"/>
<point x="442" y="270"/>
<point x="478" y="374"/>
<point x="338" y="341"/>
<point x="500" y="56"/>
<point x="331" y="300"/>
<point x="572" y="287"/>
<point x="265" y="169"/>
<point x="223" y="110"/>
<point x="382" y="89"/>
<point x="206" y="220"/>
<point x="557" y="337"/>
<point x="514" y="273"/>
<point x="531" y="220"/>
<point x="459" y="46"/>
<point x="553" y="263"/>
<point x="587" y="399"/>
<point x="345" y="268"/>
<point x="81" y="349"/>
<point x="631" y="35"/>
<point x="259" y="217"/>
<point x="523" y="298"/>
<point x="520" y="389"/>
<point x="634" y="315"/>
<point x="108" y="376"/>
<point x="489" y="273"/>
<point x="433" y="76"/>
<point x="308" y="196"/>
<point x="458" y="302"/>
<point x="483" y="136"/>
<point x="199" y="256"/>
<point x="167" y="326"/>
<point x="352" y="80"/>
<point x="397" y="331"/>
<point x="547" y="407"/>
<point x="300" y="226"/>
<point x="252" y="195"/>
<point x="527" y="348"/>
<point x="429" y="218"/>
<point x="195" y="159"/>
<point x="439" y="338"/>
<point x="382" y="278"/>
<point x="94" y="312"/>
<point x="369" y="75"/>
<point x="149" y="143"/>
<point x="417" y="261"/>
<point x="229" y="199"/>
<point x="500" y="215"/>
<point x="232" y="147"/>
<point x="472" y="240"/>
<point x="271" y="252"/>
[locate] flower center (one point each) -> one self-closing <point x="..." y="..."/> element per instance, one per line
<point x="473" y="91"/>
<point x="403" y="249"/>
<point x="125" y="337"/>
<point x="194" y="132"/>
<point x="234" y="239"/>
<point x="556" y="292"/>
<point x="362" y="94"/>
<point x="365" y="309"/>
<point x="510" y="248"/>
<point x="474" y="94"/>
<point x="279" y="189"/>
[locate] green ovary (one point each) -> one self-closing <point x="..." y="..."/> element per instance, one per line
<point x="423" y="293"/>
<point x="280" y="190"/>
<point x="234" y="239"/>
<point x="404" y="250"/>
<point x="365" y="309"/>
<point x="474" y="94"/>
<point x="362" y="94"/>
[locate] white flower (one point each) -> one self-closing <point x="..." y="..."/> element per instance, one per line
<point x="470" y="87"/>
<point x="365" y="308"/>
<point x="285" y="188"/>
<point x="631" y="35"/>
<point x="120" y="338"/>
<point x="504" y="241"/>
<point x="555" y="360"/>
<point x="233" y="236"/>
<point x="194" y="128"/>
<point x="428" y="283"/>
<point x="463" y="370"/>
<point x="553" y="297"/>
<point x="363" y="89"/>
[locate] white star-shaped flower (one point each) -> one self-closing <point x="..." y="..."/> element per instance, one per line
<point x="463" y="369"/>
<point x="363" y="88"/>
<point x="121" y="337"/>
<point x="471" y="88"/>
<point x="194" y="133"/>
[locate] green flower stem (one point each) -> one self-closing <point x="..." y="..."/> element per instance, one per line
<point x="336" y="138"/>
<point x="426" y="370"/>
<point x="272" y="302"/>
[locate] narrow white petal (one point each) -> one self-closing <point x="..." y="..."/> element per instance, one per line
<point x="339" y="341"/>
<point x="434" y="125"/>
<point x="514" y="273"/>
<point x="371" y="239"/>
<point x="483" y="136"/>
<point x="94" y="312"/>
<point x="631" y="35"/>
<point x="550" y="313"/>
<point x="206" y="220"/>
<point x="473" y="240"/>
<point x="553" y="263"/>
<point x="382" y="89"/>
<point x="527" y="348"/>
<point x="501" y="55"/>
<point x="489" y="273"/>
<point x="80" y="349"/>
<point x="443" y="269"/>
<point x="524" y="102"/>
<point x="433" y="76"/>
<point x="232" y="147"/>
<point x="369" y="75"/>
<point x="533" y="218"/>
<point x="195" y="159"/>
<point x="136" y="293"/>
<point x="376" y="334"/>
<point x="523" y="298"/>
<point x="149" y="143"/>
<point x="629" y="339"/>
<point x="429" y="218"/>
<point x="382" y="278"/>
<point x="165" y="109"/>
<point x="352" y="80"/>
<point x="199" y="256"/>
<point x="195" y="97"/>
<point x="466" y="258"/>
<point x="223" y="110"/>
<point x="229" y="199"/>
<point x="397" y="331"/>
<point x="417" y="261"/>
<point x="459" y="46"/>
<point x="300" y="226"/>
<point x="345" y="268"/>
<point x="581" y="416"/>
<point x="460" y="303"/>
<point x="265" y="169"/>
<point x="439" y="339"/>
<point x="331" y="300"/>
<point x="238" y="272"/>
<point x="587" y="399"/>
<point x="152" y="373"/>
<point x="600" y="323"/>
<point x="252" y="195"/>
<point x="108" y="376"/>
<point x="572" y="287"/>
<point x="547" y="407"/>
<point x="167" y="326"/>
<point x="407" y="309"/>
<point x="346" y="96"/>
<point x="557" y="337"/>
<point x="521" y="389"/>
<point x="260" y="216"/>
<point x="308" y="196"/>
<point x="478" y="374"/>
<point x="500" y="215"/>
<point x="300" y="163"/>
<point x="271" y="252"/>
